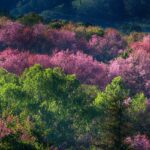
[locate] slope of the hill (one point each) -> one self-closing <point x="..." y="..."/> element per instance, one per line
<point x="80" y="9"/>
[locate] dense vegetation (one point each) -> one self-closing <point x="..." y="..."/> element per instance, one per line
<point x="66" y="85"/>
<point x="112" y="9"/>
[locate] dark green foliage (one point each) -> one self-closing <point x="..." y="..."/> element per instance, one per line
<point x="79" y="9"/>
<point x="31" y="19"/>
<point x="126" y="53"/>
<point x="4" y="13"/>
<point x="128" y="28"/>
<point x="10" y="143"/>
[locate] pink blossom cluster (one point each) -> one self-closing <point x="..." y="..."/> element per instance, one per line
<point x="4" y="130"/>
<point x="107" y="47"/>
<point x="142" y="45"/>
<point x="37" y="38"/>
<point x="135" y="70"/>
<point x="42" y="39"/>
<point x="138" y="142"/>
<point x="76" y="55"/>
<point x="83" y="66"/>
<point x="16" y="62"/>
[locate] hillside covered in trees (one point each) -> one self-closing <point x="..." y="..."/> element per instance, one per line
<point x="71" y="85"/>
<point x="97" y="9"/>
<point x="66" y="85"/>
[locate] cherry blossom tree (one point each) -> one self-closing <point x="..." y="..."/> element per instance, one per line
<point x="135" y="69"/>
<point x="138" y="142"/>
<point x="13" y="60"/>
<point x="106" y="47"/>
<point x="85" y="67"/>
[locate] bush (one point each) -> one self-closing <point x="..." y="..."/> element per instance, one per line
<point x="57" y="24"/>
<point x="135" y="37"/>
<point x="31" y="19"/>
<point x="89" y="31"/>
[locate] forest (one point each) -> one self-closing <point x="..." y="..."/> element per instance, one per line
<point x="72" y="85"/>
<point x="80" y="9"/>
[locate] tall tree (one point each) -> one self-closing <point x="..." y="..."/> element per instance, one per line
<point x="114" y="103"/>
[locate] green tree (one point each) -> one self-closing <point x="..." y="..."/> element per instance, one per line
<point x="51" y="100"/>
<point x="116" y="108"/>
<point x="57" y="110"/>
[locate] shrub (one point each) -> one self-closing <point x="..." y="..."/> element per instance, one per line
<point x="57" y="24"/>
<point x="134" y="37"/>
<point x="31" y="19"/>
<point x="107" y="47"/>
<point x="89" y="31"/>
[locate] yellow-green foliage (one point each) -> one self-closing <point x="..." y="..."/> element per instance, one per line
<point x="89" y="31"/>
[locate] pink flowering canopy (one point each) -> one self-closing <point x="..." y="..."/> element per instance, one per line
<point x="86" y="69"/>
<point x="109" y="88"/>
<point x="107" y="47"/>
<point x="138" y="142"/>
<point x="42" y="39"/>
<point x="135" y="70"/>
<point x="83" y="66"/>
<point x="16" y="62"/>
